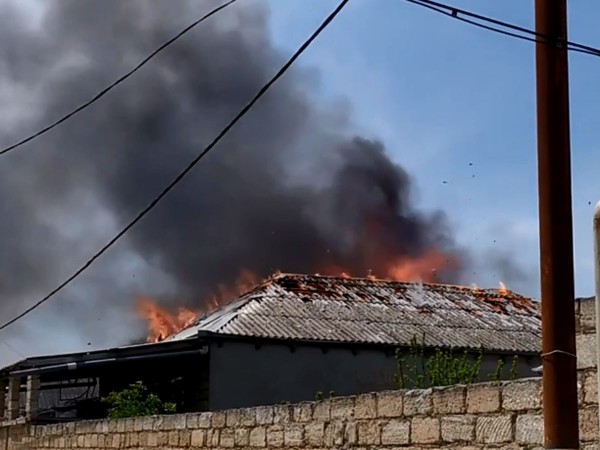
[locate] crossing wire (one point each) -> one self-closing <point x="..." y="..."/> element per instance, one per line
<point x="187" y="169"/>
<point x="113" y="85"/>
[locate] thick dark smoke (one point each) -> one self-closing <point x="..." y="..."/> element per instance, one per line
<point x="291" y="188"/>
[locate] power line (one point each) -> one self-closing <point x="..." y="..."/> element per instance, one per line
<point x="107" y="89"/>
<point x="441" y="8"/>
<point x="517" y="31"/>
<point x="188" y="168"/>
<point x="13" y="349"/>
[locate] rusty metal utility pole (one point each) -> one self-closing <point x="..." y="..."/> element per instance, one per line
<point x="561" y="424"/>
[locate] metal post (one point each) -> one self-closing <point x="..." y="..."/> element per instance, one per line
<point x="561" y="423"/>
<point x="597" y="286"/>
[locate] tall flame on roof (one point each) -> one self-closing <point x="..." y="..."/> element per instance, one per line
<point x="163" y="322"/>
<point x="424" y="268"/>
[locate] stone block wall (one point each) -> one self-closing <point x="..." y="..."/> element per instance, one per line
<point x="585" y="316"/>
<point x="480" y="416"/>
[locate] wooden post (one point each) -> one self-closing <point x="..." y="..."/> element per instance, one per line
<point x="561" y="428"/>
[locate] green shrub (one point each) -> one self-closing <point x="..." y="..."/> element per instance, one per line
<point x="320" y="395"/>
<point x="443" y="367"/>
<point x="497" y="375"/>
<point x="513" y="374"/>
<point x="136" y="401"/>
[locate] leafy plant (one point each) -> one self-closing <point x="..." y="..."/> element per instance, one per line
<point x="497" y="375"/>
<point x="442" y="367"/>
<point x="320" y="395"/>
<point x="136" y="401"/>
<point x="513" y="373"/>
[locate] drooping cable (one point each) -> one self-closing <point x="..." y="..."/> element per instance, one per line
<point x="187" y="169"/>
<point x="113" y="85"/>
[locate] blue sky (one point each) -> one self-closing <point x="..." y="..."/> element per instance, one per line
<point x="443" y="94"/>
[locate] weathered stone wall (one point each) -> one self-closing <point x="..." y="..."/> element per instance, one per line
<point x="585" y="313"/>
<point x="488" y="415"/>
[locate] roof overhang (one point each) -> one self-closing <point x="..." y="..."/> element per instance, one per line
<point x="74" y="361"/>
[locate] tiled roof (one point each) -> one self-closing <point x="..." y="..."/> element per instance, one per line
<point x="319" y="308"/>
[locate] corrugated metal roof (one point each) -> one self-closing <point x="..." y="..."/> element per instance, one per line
<point x="306" y="307"/>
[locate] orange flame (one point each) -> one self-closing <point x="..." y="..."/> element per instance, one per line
<point x="502" y="289"/>
<point x="423" y="268"/>
<point x="162" y="323"/>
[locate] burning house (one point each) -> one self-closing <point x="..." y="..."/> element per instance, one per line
<point x="299" y="185"/>
<point x="285" y="340"/>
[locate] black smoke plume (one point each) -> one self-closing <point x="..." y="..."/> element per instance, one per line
<point x="291" y="188"/>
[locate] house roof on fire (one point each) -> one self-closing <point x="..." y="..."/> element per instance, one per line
<point x="357" y="310"/>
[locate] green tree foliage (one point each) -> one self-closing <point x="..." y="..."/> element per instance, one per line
<point x="136" y="401"/>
